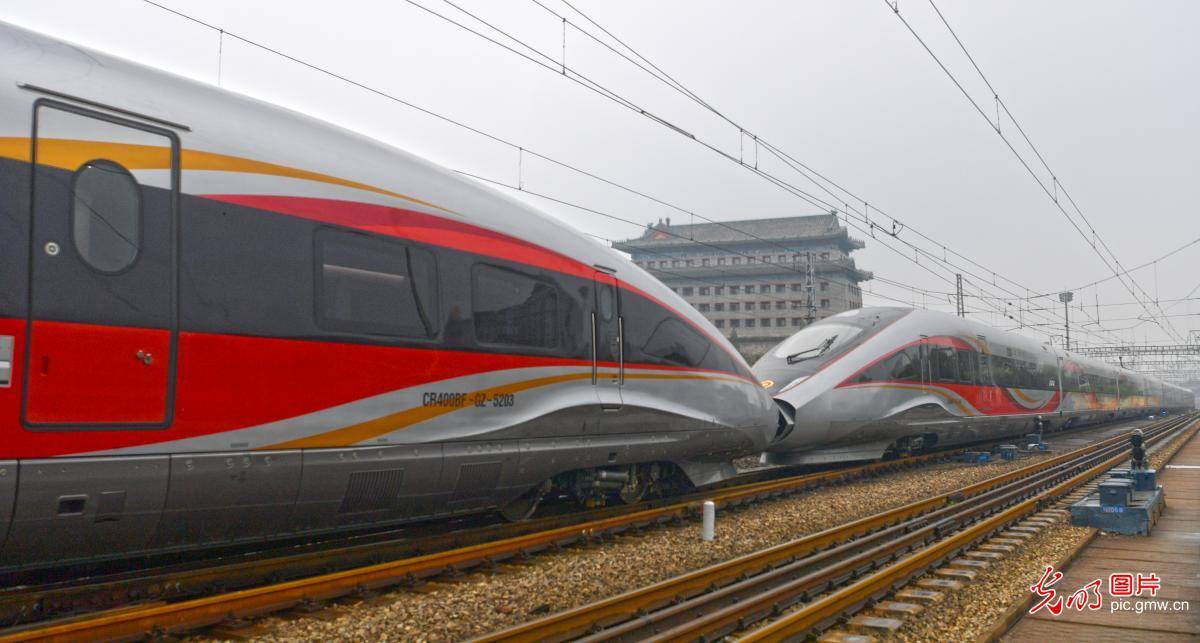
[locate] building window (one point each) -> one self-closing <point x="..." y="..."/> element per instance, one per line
<point x="718" y="306"/>
<point x="766" y="323"/>
<point x="690" y="262"/>
<point x="703" y="290"/>
<point x="764" y="288"/>
<point x="734" y="306"/>
<point x="797" y="287"/>
<point x="764" y="305"/>
<point x="721" y="261"/>
<point x="513" y="308"/>
<point x="780" y="287"/>
<point x="737" y="260"/>
<point x="749" y="323"/>
<point x="719" y="290"/>
<point x="369" y="285"/>
<point x="703" y="308"/>
<point x="824" y="303"/>
<point x="720" y="323"/>
<point x="675" y="263"/>
<point x="687" y="291"/>
<point x="824" y="286"/>
<point x="734" y="323"/>
<point x="781" y="322"/>
<point x="704" y="262"/>
<point x="781" y="305"/>
<point x="782" y="258"/>
<point x="796" y="321"/>
<point x="824" y="256"/>
<point x="735" y="290"/>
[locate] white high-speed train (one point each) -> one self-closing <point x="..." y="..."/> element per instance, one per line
<point x="876" y="381"/>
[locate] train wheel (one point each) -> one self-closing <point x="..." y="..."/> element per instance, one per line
<point x="635" y="489"/>
<point x="523" y="507"/>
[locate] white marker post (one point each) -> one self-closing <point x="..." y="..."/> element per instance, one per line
<point x="710" y="520"/>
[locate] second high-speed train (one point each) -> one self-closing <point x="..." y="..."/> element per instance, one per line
<point x="871" y="382"/>
<point x="222" y="321"/>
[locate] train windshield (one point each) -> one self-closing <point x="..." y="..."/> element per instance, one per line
<point x="816" y="341"/>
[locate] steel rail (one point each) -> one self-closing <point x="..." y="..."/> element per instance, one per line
<point x="29" y="603"/>
<point x="835" y="604"/>
<point x="685" y="596"/>
<point x="200" y="612"/>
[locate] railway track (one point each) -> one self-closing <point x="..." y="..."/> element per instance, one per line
<point x="319" y="573"/>
<point x="833" y="572"/>
<point x="166" y="602"/>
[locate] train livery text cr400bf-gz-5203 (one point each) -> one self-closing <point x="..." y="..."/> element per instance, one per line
<point x="223" y="321"/>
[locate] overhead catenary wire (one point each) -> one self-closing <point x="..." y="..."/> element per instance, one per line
<point x="493" y="137"/>
<point x="1052" y="191"/>
<point x="521" y="149"/>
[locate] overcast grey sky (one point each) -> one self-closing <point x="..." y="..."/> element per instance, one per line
<point x="1107" y="90"/>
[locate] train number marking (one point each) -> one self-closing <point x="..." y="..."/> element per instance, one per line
<point x="453" y="400"/>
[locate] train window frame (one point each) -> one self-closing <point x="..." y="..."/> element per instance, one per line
<point x="139" y="217"/>
<point x="427" y="312"/>
<point x="559" y="297"/>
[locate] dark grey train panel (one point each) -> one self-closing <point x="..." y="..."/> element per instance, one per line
<point x="90" y="507"/>
<point x="8" y="494"/>
<point x="366" y="485"/>
<point x="476" y="474"/>
<point x="224" y="497"/>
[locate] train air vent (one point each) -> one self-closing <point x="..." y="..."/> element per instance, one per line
<point x="372" y="490"/>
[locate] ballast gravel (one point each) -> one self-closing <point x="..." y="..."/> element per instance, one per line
<point x="486" y="601"/>
<point x="968" y="614"/>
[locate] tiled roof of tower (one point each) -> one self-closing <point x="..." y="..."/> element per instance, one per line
<point x="749" y="230"/>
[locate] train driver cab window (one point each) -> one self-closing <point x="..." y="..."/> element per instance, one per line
<point x="374" y="286"/>
<point x="904" y="366"/>
<point x="676" y="343"/>
<point x="514" y="309"/>
<point x="106" y="216"/>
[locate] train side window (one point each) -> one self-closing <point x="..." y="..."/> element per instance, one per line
<point x="1004" y="372"/>
<point x="106" y="216"/>
<point x="675" y="342"/>
<point x="374" y="286"/>
<point x="513" y="308"/>
<point x="943" y="364"/>
<point x="966" y="366"/>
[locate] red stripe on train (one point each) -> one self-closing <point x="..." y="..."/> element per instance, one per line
<point x="228" y="382"/>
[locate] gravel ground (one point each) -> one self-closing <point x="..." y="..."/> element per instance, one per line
<point x="967" y="614"/>
<point x="487" y="601"/>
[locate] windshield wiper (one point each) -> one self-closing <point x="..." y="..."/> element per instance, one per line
<point x="820" y="349"/>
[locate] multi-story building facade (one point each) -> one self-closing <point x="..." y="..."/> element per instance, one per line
<point x="760" y="280"/>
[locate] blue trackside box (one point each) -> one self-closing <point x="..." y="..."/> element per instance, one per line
<point x="1007" y="451"/>
<point x="1145" y="480"/>
<point x="1120" y="472"/>
<point x="1135" y="518"/>
<point x="975" y="457"/>
<point x="1116" y="492"/>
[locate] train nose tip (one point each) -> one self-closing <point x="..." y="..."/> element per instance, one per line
<point x="786" y="422"/>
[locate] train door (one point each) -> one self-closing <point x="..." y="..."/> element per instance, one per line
<point x="102" y="322"/>
<point x="608" y="342"/>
